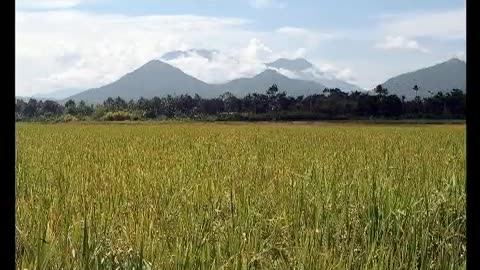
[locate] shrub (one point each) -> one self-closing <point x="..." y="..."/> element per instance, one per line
<point x="99" y="112"/>
<point x="69" y="118"/>
<point x="118" y="116"/>
<point x="137" y="115"/>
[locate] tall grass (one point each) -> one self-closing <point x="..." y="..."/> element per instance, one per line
<point x="256" y="196"/>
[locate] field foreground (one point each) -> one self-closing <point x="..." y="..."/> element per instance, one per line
<point x="248" y="196"/>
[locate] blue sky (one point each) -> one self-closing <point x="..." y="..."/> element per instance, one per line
<point x="86" y="43"/>
<point x="271" y="14"/>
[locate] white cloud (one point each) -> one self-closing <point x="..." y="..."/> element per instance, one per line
<point x="250" y="61"/>
<point x="62" y="49"/>
<point x="400" y="43"/>
<point x="287" y="73"/>
<point x="331" y="71"/>
<point x="263" y="4"/>
<point x="450" y="24"/>
<point x="228" y="64"/>
<point x="460" y="55"/>
<point x="346" y="74"/>
<point x="73" y="49"/>
<point x="300" y="53"/>
<point x="257" y="50"/>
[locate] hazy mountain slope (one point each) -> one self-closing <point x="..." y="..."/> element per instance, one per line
<point x="155" y="78"/>
<point x="302" y="69"/>
<point x="264" y="80"/>
<point x="298" y="64"/>
<point x="160" y="79"/>
<point x="58" y="94"/>
<point x="441" y="77"/>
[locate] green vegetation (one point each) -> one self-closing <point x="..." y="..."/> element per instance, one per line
<point x="331" y="104"/>
<point x="246" y="196"/>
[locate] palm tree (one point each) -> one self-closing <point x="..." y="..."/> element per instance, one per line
<point x="415" y="88"/>
<point x="417" y="99"/>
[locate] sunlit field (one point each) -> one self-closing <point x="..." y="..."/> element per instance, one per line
<point x="240" y="196"/>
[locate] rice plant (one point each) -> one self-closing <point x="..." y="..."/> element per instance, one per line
<point x="240" y="196"/>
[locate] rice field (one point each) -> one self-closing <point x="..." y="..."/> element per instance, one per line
<point x="243" y="196"/>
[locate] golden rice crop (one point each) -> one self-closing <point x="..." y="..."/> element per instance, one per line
<point x="246" y="196"/>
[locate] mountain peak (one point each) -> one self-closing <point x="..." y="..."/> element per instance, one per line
<point x="455" y="60"/>
<point x="205" y="53"/>
<point x="269" y="70"/>
<point x="155" y="66"/>
<point x="269" y="73"/>
<point x="155" y="62"/>
<point x="155" y="78"/>
<point x="297" y="64"/>
<point x="442" y="77"/>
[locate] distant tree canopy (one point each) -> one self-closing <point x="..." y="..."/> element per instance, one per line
<point x="274" y="104"/>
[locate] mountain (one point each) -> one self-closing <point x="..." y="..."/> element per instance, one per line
<point x="208" y="54"/>
<point x="298" y="68"/>
<point x="155" y="78"/>
<point x="298" y="64"/>
<point x="26" y="99"/>
<point x="58" y="94"/>
<point x="441" y="77"/>
<point x="302" y="69"/>
<point x="261" y="82"/>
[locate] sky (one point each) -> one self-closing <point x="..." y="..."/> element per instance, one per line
<point x="80" y="44"/>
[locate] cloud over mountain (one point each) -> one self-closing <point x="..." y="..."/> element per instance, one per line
<point x="55" y="49"/>
<point x="63" y="44"/>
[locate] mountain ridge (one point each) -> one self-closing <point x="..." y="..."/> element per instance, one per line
<point x="157" y="78"/>
<point x="145" y="82"/>
<point x="262" y="81"/>
<point x="440" y="77"/>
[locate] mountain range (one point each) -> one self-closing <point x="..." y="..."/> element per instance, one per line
<point x="298" y="68"/>
<point x="294" y="76"/>
<point x="57" y="95"/>
<point x="261" y="82"/>
<point x="157" y="78"/>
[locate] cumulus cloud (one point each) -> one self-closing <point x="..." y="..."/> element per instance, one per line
<point x="300" y="53"/>
<point x="62" y="49"/>
<point x="256" y="50"/>
<point x="400" y="43"/>
<point x="287" y="73"/>
<point x="228" y="64"/>
<point x="332" y="71"/>
<point x="250" y="61"/>
<point x="66" y="48"/>
<point x="346" y="74"/>
<point x="263" y="4"/>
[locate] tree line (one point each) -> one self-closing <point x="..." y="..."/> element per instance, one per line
<point x="272" y="105"/>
